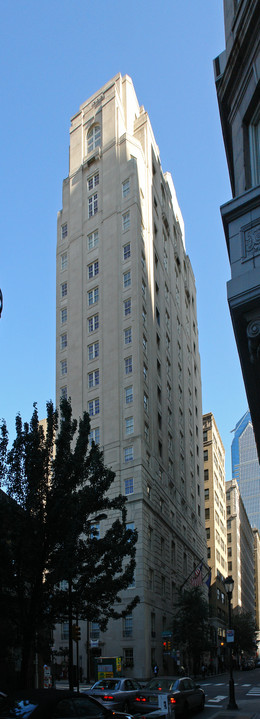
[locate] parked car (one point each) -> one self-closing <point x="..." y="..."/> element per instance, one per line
<point x="118" y="693"/>
<point x="183" y="694"/>
<point x="54" y="704"/>
<point x="257" y="663"/>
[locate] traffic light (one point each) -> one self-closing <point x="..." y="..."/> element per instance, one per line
<point x="76" y="636"/>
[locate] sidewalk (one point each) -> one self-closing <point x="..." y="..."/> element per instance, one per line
<point x="247" y="709"/>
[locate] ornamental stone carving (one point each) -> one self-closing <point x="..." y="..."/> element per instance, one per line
<point x="252" y="241"/>
<point x="253" y="337"/>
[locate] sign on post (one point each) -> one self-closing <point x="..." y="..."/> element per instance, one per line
<point x="230" y="636"/>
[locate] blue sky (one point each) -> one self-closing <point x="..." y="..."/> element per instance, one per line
<point x="54" y="55"/>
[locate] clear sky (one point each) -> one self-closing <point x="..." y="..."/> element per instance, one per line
<point x="54" y="55"/>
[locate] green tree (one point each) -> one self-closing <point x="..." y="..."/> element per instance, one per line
<point x="191" y="626"/>
<point x="244" y="627"/>
<point x="60" y="484"/>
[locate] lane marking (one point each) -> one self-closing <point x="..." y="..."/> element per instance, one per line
<point x="218" y="698"/>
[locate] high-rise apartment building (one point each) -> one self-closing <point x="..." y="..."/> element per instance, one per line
<point x="127" y="351"/>
<point x="246" y="469"/>
<point x="237" y="72"/>
<point x="240" y="549"/>
<point x="216" y="531"/>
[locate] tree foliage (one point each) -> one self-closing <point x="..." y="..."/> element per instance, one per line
<point x="244" y="627"/>
<point x="191" y="626"/>
<point x="60" y="484"/>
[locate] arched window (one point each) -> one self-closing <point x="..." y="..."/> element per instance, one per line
<point x="93" y="138"/>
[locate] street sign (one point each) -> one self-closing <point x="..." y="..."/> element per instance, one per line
<point x="230" y="636"/>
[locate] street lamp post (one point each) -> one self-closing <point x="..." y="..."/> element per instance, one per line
<point x="229" y="584"/>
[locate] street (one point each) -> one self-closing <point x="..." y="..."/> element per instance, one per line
<point x="247" y="692"/>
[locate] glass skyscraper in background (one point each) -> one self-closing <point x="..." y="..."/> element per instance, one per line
<point x="246" y="468"/>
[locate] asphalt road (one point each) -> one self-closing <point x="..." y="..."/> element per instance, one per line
<point x="247" y="693"/>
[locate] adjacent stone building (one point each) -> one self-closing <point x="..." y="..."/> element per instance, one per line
<point x="127" y="351"/>
<point x="216" y="532"/>
<point x="240" y="550"/>
<point x="237" y="76"/>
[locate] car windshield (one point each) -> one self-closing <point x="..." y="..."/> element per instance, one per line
<point x="17" y="708"/>
<point x="163" y="684"/>
<point x="110" y="684"/>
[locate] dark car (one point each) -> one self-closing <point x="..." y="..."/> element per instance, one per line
<point x="182" y="692"/>
<point x="54" y="704"/>
<point x="118" y="693"/>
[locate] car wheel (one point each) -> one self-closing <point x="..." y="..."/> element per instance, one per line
<point x="202" y="702"/>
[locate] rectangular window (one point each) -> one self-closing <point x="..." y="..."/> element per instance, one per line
<point x="128" y="658"/>
<point x="128" y="626"/>
<point x="93" y="205"/>
<point x="93" y="240"/>
<point x="125" y="188"/>
<point x="129" y="486"/>
<point x="64" y="231"/>
<point x="127" y="307"/>
<point x="129" y="425"/>
<point x="254" y="144"/>
<point x="127" y="279"/>
<point x="129" y="454"/>
<point x="126" y="221"/>
<point x="145" y="402"/>
<point x="206" y="493"/>
<point x="94" y="436"/>
<point x="128" y="336"/>
<point x="63" y="341"/>
<point x="93" y="269"/>
<point x="64" y="261"/>
<point x="93" y="296"/>
<point x="64" y="392"/>
<point x="207" y="513"/>
<point x="93" y="181"/>
<point x="93" y="407"/>
<point x="145" y="372"/>
<point x="128" y="365"/>
<point x="64" y="290"/>
<point x="64" y="316"/>
<point x="65" y="631"/>
<point x="93" y="350"/>
<point x="93" y="379"/>
<point x="93" y="323"/>
<point x="128" y="395"/>
<point x="63" y="367"/>
<point x="150" y="578"/>
<point x="94" y="631"/>
<point x="127" y="251"/>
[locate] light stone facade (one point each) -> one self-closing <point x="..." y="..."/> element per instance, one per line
<point x="127" y="351"/>
<point x="257" y="581"/>
<point x="240" y="548"/>
<point x="216" y="531"/>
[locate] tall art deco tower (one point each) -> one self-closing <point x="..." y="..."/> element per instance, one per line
<point x="127" y="351"/>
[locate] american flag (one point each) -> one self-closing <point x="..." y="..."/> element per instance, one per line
<point x="196" y="579"/>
